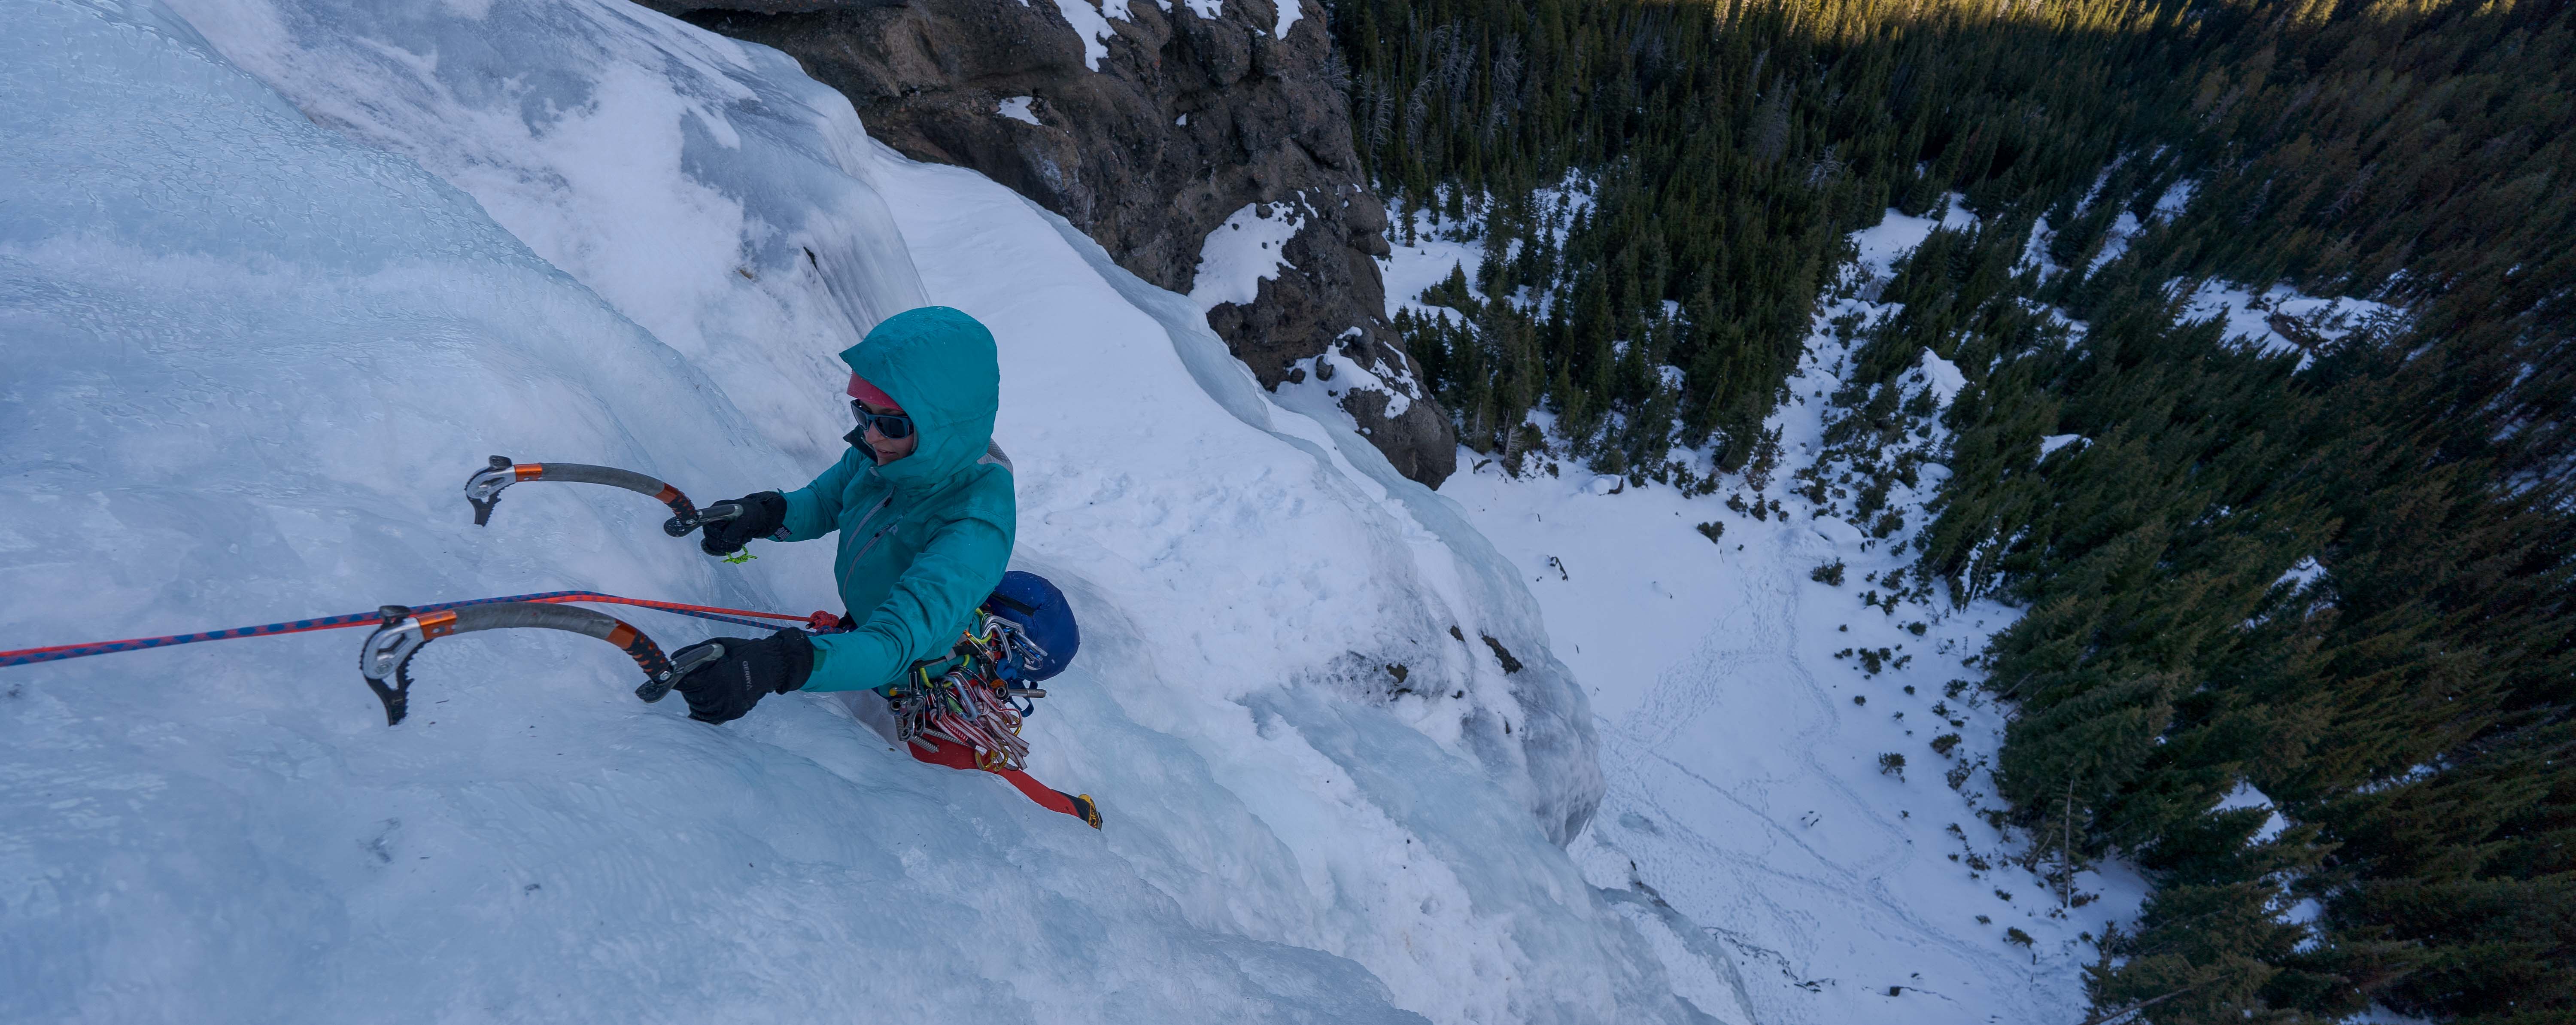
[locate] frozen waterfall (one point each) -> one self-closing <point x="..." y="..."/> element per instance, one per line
<point x="275" y="278"/>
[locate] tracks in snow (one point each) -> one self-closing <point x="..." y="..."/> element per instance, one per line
<point x="1725" y="796"/>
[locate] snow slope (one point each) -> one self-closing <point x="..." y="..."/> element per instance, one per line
<point x="2258" y="320"/>
<point x="2278" y="320"/>
<point x="1742" y="734"/>
<point x="266" y="300"/>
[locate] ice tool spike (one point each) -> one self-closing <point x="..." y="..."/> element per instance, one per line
<point x="483" y="491"/>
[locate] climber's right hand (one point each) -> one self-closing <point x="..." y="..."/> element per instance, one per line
<point x="742" y="672"/>
<point x="762" y="514"/>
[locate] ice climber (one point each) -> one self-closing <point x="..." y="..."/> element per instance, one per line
<point x="923" y="504"/>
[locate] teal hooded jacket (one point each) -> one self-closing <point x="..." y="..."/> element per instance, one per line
<point x="924" y="538"/>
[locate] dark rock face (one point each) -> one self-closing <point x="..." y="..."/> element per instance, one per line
<point x="1187" y="120"/>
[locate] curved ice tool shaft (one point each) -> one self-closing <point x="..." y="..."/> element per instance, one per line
<point x="483" y="491"/>
<point x="386" y="655"/>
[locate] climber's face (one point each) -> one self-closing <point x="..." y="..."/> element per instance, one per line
<point x="878" y="419"/>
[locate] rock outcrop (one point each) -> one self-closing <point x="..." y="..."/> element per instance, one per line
<point x="1147" y="124"/>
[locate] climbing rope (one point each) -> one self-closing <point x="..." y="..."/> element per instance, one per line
<point x="819" y="621"/>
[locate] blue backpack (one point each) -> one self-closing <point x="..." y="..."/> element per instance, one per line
<point x="1039" y="610"/>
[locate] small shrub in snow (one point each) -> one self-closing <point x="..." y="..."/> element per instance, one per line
<point x="1531" y="439"/>
<point x="2015" y="935"/>
<point x="1860" y="699"/>
<point x="1942" y="744"/>
<point x="1983" y="920"/>
<point x="1766" y="458"/>
<point x="1891" y="764"/>
<point x="1872" y="498"/>
<point x="1916" y="628"/>
<point x="1712" y="530"/>
<point x="1830" y="573"/>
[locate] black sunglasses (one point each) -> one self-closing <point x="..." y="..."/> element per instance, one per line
<point x="895" y="426"/>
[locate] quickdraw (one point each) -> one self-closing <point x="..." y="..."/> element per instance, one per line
<point x="483" y="491"/>
<point x="971" y="698"/>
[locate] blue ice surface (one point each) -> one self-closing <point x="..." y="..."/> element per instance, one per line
<point x="251" y="359"/>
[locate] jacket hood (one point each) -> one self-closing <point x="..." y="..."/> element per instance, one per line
<point x="942" y="366"/>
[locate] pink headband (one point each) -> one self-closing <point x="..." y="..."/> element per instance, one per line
<point x="861" y="390"/>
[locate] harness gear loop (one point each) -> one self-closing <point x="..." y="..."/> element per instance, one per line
<point x="966" y="697"/>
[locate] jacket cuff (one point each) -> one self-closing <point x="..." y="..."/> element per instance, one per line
<point x="849" y="661"/>
<point x="803" y="513"/>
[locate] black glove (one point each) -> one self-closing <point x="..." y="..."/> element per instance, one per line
<point x="762" y="514"/>
<point x="749" y="670"/>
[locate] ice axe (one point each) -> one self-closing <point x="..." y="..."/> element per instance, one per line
<point x="483" y="490"/>
<point x="385" y="658"/>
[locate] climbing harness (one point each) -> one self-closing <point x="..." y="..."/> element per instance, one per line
<point x="972" y="696"/>
<point x="984" y="688"/>
<point x="483" y="491"/>
<point x="400" y="632"/>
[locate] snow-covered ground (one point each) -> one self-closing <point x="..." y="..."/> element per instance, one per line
<point x="267" y="299"/>
<point x="1409" y="269"/>
<point x="2278" y="320"/>
<point x="1743" y="728"/>
<point x="2284" y="320"/>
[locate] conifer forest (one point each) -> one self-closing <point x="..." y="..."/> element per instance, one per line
<point x="2411" y="710"/>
